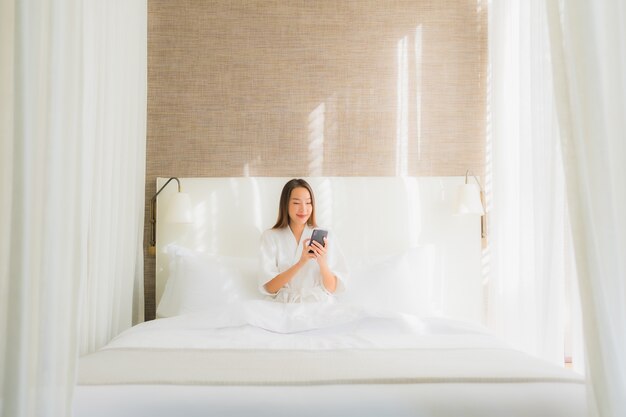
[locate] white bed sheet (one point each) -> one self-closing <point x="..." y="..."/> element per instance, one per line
<point x="333" y="328"/>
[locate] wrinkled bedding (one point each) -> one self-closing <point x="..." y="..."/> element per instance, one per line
<point x="269" y="343"/>
<point x="263" y="324"/>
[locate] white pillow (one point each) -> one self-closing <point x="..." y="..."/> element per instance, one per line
<point x="402" y="282"/>
<point x="202" y="282"/>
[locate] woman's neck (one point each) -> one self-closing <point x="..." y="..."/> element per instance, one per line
<point x="297" y="230"/>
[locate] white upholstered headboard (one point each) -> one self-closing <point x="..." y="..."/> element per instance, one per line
<point x="371" y="216"/>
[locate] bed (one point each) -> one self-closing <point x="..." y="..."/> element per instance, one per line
<point x="406" y="338"/>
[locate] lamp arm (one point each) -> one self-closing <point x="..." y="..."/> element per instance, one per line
<point x="467" y="173"/>
<point x="483" y="218"/>
<point x="153" y="211"/>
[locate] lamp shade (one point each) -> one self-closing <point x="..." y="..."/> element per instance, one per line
<point x="469" y="200"/>
<point x="179" y="210"/>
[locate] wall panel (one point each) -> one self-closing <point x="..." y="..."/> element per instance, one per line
<point x="306" y="88"/>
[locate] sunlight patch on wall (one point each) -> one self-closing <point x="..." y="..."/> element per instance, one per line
<point x="418" y="90"/>
<point x="316" y="140"/>
<point x="402" y="111"/>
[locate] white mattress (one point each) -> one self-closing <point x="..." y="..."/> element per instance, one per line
<point x="331" y="361"/>
<point x="423" y="400"/>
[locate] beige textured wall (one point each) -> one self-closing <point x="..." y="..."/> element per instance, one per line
<point x="314" y="87"/>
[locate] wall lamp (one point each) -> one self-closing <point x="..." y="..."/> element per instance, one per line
<point x="179" y="211"/>
<point x="471" y="201"/>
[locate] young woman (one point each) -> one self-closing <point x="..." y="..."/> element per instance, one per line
<point x="291" y="270"/>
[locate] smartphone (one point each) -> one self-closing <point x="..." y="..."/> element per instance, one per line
<point x="318" y="235"/>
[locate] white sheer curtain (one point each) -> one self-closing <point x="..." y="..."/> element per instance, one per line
<point x="528" y="228"/>
<point x="114" y="108"/>
<point x="589" y="61"/>
<point x="73" y="102"/>
<point x="6" y="166"/>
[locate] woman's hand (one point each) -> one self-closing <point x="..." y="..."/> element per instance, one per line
<point x="329" y="280"/>
<point x="306" y="256"/>
<point x="319" y="251"/>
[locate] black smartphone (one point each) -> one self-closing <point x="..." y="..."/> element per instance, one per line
<point x="318" y="235"/>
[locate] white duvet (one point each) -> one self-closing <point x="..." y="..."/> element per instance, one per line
<point x="263" y="324"/>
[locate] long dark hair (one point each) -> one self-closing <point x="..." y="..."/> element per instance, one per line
<point x="283" y="207"/>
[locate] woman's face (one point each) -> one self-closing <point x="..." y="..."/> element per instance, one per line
<point x="300" y="206"/>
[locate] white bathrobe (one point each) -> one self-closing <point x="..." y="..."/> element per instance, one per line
<point x="280" y="251"/>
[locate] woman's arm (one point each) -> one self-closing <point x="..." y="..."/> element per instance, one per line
<point x="279" y="281"/>
<point x="329" y="279"/>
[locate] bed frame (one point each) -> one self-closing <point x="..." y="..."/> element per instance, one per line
<point x="371" y="217"/>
